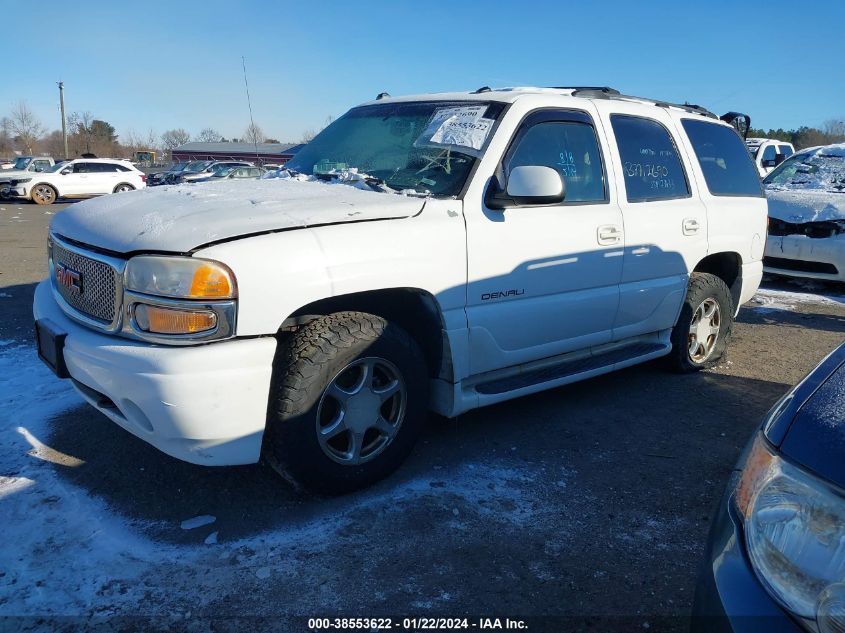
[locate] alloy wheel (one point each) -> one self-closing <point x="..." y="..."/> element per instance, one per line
<point x="361" y="411"/>
<point x="704" y="330"/>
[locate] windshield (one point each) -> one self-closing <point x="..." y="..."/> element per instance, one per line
<point x="56" y="167"/>
<point x="221" y="171"/>
<point x="822" y="169"/>
<point x="198" y="166"/>
<point x="429" y="147"/>
<point x="178" y="166"/>
<point x="22" y="162"/>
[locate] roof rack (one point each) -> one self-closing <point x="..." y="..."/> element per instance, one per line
<point x="606" y="91"/>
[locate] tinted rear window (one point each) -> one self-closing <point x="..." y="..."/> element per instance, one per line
<point x="727" y="167"/>
<point x="650" y="161"/>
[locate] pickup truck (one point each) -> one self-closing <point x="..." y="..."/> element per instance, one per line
<point x="25" y="167"/>
<point x="426" y="253"/>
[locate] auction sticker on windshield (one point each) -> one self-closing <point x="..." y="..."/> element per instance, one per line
<point x="464" y="126"/>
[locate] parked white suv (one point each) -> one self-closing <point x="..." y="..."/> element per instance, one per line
<point x="768" y="153"/>
<point x="439" y="252"/>
<point x="80" y="178"/>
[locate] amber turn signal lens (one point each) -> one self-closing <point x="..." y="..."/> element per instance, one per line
<point x="211" y="282"/>
<point x="168" y="321"/>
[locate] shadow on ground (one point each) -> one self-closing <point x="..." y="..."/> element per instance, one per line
<point x="639" y="431"/>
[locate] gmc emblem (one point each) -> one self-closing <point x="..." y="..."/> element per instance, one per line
<point x="69" y="278"/>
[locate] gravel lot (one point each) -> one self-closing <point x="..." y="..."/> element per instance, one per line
<point x="591" y="501"/>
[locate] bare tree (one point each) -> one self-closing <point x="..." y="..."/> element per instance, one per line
<point x="25" y="126"/>
<point x="253" y="134"/>
<point x="209" y="135"/>
<point x="174" y="138"/>
<point x="54" y="143"/>
<point x="311" y="132"/>
<point x="834" y="127"/>
<point x="79" y="132"/>
<point x="152" y="141"/>
<point x="6" y="136"/>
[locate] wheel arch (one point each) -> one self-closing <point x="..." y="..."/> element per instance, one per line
<point x="417" y="311"/>
<point x="49" y="184"/>
<point x="727" y="266"/>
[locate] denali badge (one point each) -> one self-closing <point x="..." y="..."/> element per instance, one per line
<point x="69" y="278"/>
<point x="501" y="294"/>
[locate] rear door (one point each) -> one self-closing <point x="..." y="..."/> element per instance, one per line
<point x="104" y="178"/>
<point x="665" y="221"/>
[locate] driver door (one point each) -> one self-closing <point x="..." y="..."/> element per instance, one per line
<point x="544" y="280"/>
<point x="74" y="177"/>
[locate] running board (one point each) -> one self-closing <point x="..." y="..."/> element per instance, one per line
<point x="571" y="367"/>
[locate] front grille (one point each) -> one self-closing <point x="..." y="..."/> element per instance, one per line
<point x="800" y="265"/>
<point x="815" y="230"/>
<point x="98" y="299"/>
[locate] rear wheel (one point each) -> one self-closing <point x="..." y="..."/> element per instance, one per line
<point x="704" y="327"/>
<point x="122" y="187"/>
<point x="43" y="194"/>
<point x="349" y="401"/>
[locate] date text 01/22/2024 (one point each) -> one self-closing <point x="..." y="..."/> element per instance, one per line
<point x="416" y="624"/>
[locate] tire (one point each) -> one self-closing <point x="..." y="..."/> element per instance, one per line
<point x="123" y="187"/>
<point x="338" y="370"/>
<point x="707" y="312"/>
<point x="43" y="194"/>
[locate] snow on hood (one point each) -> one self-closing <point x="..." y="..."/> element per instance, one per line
<point x="800" y="205"/>
<point x="180" y="218"/>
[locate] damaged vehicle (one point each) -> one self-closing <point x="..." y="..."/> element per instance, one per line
<point x="807" y="215"/>
<point x="426" y="253"/>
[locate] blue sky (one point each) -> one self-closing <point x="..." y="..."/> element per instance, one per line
<point x="155" y="65"/>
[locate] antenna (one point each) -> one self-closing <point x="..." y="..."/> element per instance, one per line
<point x="249" y="103"/>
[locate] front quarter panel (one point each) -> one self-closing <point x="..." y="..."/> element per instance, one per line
<point x="278" y="273"/>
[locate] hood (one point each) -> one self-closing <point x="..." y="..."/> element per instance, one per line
<point x="816" y="437"/>
<point x="179" y="218"/>
<point x="797" y="206"/>
<point x="14" y="174"/>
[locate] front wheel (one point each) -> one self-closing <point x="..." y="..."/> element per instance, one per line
<point x="704" y="327"/>
<point x="44" y="194"/>
<point x="349" y="400"/>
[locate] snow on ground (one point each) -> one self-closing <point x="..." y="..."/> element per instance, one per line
<point x="65" y="552"/>
<point x="767" y="299"/>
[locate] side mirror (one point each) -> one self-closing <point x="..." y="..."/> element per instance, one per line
<point x="779" y="159"/>
<point x="769" y="163"/>
<point x="529" y="185"/>
<point x="65" y="172"/>
<point x="740" y="121"/>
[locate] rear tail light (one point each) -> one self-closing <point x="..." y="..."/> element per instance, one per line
<point x="143" y="178"/>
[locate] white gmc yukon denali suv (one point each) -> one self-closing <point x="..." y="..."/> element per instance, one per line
<point x="437" y="252"/>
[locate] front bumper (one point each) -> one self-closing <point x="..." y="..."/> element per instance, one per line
<point x="803" y="256"/>
<point x="204" y="404"/>
<point x="729" y="598"/>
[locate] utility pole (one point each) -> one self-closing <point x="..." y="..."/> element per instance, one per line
<point x="64" y="124"/>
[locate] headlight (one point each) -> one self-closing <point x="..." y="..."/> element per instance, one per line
<point x="20" y="181"/>
<point x="795" y="534"/>
<point x="180" y="277"/>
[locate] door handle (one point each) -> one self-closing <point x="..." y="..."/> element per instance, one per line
<point x="609" y="234"/>
<point x="690" y="226"/>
